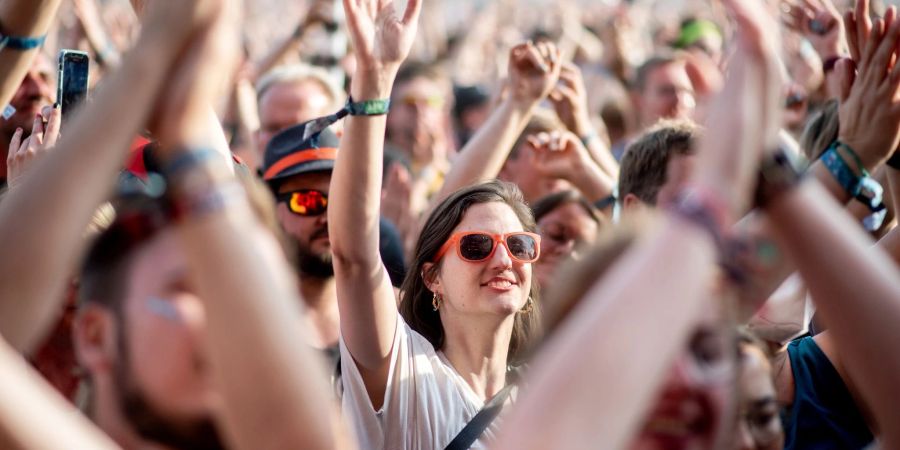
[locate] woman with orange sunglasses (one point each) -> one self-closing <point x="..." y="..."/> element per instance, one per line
<point x="415" y="379"/>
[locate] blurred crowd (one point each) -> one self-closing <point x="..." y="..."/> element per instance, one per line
<point x="508" y="224"/>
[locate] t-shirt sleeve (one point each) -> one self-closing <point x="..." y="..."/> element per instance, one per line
<point x="367" y="423"/>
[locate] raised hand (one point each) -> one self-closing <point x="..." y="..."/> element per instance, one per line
<point x="559" y="154"/>
<point x="23" y="153"/>
<point x="857" y="26"/>
<point x="381" y="40"/>
<point x="820" y="22"/>
<point x="869" y="113"/>
<point x="747" y="111"/>
<point x="534" y="70"/>
<point x="200" y="75"/>
<point x="570" y="100"/>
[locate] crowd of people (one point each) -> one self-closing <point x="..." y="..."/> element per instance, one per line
<point x="611" y="225"/>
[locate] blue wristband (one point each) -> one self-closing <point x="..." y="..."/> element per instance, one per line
<point x="21" y="43"/>
<point x="841" y="172"/>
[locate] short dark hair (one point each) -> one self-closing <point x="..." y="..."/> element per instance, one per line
<point x="645" y="162"/>
<point x="643" y="71"/>
<point x="414" y="69"/>
<point x="104" y="273"/>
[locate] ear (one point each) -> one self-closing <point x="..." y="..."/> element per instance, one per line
<point x="432" y="278"/>
<point x="95" y="337"/>
<point x="631" y="202"/>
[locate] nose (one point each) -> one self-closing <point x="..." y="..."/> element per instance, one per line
<point x="501" y="259"/>
<point x="744" y="440"/>
<point x="686" y="101"/>
<point x="34" y="84"/>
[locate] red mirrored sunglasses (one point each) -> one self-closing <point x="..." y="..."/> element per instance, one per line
<point x="305" y="202"/>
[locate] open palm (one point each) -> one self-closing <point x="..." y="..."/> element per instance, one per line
<point x="381" y="39"/>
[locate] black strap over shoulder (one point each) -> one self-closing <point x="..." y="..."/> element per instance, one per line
<point x="470" y="433"/>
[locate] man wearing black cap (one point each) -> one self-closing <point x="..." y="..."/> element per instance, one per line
<point x="299" y="171"/>
<point x="297" y="167"/>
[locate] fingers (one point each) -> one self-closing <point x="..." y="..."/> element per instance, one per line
<point x="37" y="129"/>
<point x="882" y="57"/>
<point x="14" y="144"/>
<point x="850" y="30"/>
<point x="54" y="123"/>
<point x="863" y="22"/>
<point x="871" y="45"/>
<point x="533" y="55"/>
<point x="411" y="15"/>
<point x="845" y="73"/>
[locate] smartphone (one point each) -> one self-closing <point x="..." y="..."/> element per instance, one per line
<point x="72" y="82"/>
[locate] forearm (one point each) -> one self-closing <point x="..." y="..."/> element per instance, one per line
<point x="21" y="18"/>
<point x="592" y="182"/>
<point x="42" y="244"/>
<point x="629" y="349"/>
<point x="365" y="298"/>
<point x="356" y="183"/>
<point x="602" y="156"/>
<point x="255" y="332"/>
<point x="484" y="155"/>
<point x="856" y="292"/>
<point x="26" y="396"/>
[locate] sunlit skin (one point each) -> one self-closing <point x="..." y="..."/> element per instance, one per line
<point x="759" y="424"/>
<point x="417" y="105"/>
<point x="312" y="231"/>
<point x="164" y="359"/>
<point x="692" y="407"/>
<point x="34" y="93"/>
<point x="678" y="173"/>
<point x="564" y="231"/>
<point x="667" y="94"/>
<point x="522" y="170"/>
<point x="496" y="287"/>
<point x="284" y="105"/>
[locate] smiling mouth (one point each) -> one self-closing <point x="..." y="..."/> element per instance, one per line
<point x="500" y="283"/>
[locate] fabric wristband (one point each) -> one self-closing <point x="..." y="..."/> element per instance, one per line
<point x="377" y="107"/>
<point x="21" y="43"/>
<point x="841" y="171"/>
<point x="862" y="188"/>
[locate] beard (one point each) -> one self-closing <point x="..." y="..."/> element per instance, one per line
<point x="198" y="433"/>
<point x="313" y="264"/>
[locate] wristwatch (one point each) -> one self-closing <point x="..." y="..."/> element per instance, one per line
<point x="778" y="172"/>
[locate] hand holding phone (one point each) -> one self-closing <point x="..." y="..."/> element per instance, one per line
<point x="72" y="83"/>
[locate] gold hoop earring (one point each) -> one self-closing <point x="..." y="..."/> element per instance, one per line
<point x="529" y="306"/>
<point x="436" y="301"/>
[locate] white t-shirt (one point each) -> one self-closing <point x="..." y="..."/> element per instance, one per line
<point x="426" y="402"/>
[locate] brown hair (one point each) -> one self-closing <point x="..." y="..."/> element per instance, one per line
<point x="821" y="130"/>
<point x="415" y="302"/>
<point x="550" y="202"/>
<point x="645" y="163"/>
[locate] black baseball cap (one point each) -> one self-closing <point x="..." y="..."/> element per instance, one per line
<point x="293" y="152"/>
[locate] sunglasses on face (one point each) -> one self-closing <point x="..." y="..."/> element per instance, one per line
<point x="475" y="246"/>
<point x="305" y="202"/>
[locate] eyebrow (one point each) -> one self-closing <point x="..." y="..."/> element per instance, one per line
<point x="763" y="402"/>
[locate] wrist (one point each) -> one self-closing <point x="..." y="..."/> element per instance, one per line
<point x="860" y="152"/>
<point x="372" y="84"/>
